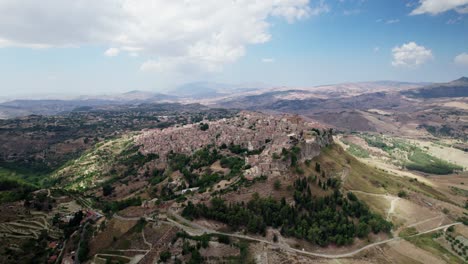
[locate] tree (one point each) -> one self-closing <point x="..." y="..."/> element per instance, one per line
<point x="277" y="185"/>
<point x="317" y="167"/>
<point x="165" y="256"/>
<point x="107" y="190"/>
<point x="196" y="257"/>
<point x="204" y="127"/>
<point x="402" y="194"/>
<point x="363" y="230"/>
<point x="224" y="239"/>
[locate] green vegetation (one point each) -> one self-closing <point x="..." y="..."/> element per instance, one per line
<point x="442" y="131"/>
<point x="14" y="187"/>
<point x="235" y="165"/>
<point x="165" y="256"/>
<point x="410" y="231"/>
<point x="459" y="191"/>
<point x="370" y="179"/>
<point x="204" y="126"/>
<point x="115" y="206"/>
<point x="332" y="219"/>
<point x="417" y="159"/>
<point x="83" y="249"/>
<point x="358" y="151"/>
<point x="421" y="161"/>
<point x="107" y="189"/>
<point x="25" y="175"/>
<point x="457" y="243"/>
<point x="428" y="243"/>
<point x="388" y="145"/>
<point x="402" y="194"/>
<point x="201" y="158"/>
<point x="277" y="185"/>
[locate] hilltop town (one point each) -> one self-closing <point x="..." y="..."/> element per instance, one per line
<point x="262" y="134"/>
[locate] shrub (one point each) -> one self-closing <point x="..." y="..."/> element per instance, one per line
<point x="165" y="256"/>
<point x="277" y="185"/>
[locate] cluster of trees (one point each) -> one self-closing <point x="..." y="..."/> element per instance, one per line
<point x="14" y="190"/>
<point x="201" y="242"/>
<point x="83" y="249"/>
<point x="202" y="158"/>
<point x="187" y="164"/>
<point x="115" y="206"/>
<point x="333" y="183"/>
<point x="133" y="159"/>
<point x="240" y="150"/>
<point x="204" y="126"/>
<point x="107" y="189"/>
<point x="235" y="165"/>
<point x="321" y="220"/>
<point x="291" y="155"/>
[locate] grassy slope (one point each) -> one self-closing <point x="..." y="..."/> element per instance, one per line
<point x="369" y="179"/>
<point x="14" y="185"/>
<point x="365" y="178"/>
<point x="427" y="243"/>
<point x="93" y="165"/>
<point x="410" y="155"/>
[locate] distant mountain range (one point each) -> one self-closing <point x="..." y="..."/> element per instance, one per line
<point x="253" y="96"/>
<point x="456" y="88"/>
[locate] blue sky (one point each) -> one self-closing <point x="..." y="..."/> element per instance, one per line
<point x="80" y="47"/>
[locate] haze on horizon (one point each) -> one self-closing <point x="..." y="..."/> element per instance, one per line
<point x="109" y="46"/>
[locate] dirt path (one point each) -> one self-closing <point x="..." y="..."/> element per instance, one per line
<point x="188" y="225"/>
<point x="425" y="221"/>
<point x="392" y="207"/>
<point x="144" y="239"/>
<point x="393" y="200"/>
<point x="344" y="175"/>
<point x="126" y="218"/>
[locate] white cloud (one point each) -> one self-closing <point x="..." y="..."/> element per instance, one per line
<point x="388" y="21"/>
<point x="376" y="49"/>
<point x="112" y="52"/>
<point x="461" y="59"/>
<point x="351" y="12"/>
<point x="410" y="55"/>
<point x="268" y="60"/>
<point x="181" y="34"/>
<point x="454" y="21"/>
<point x="392" y="21"/>
<point x="435" y="7"/>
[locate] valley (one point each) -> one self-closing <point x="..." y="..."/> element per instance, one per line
<point x="353" y="172"/>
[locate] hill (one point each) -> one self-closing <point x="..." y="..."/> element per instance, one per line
<point x="456" y="88"/>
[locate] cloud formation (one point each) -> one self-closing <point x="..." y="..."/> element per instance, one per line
<point x="268" y="60"/>
<point x="462" y="59"/>
<point x="172" y="35"/>
<point x="435" y="7"/>
<point x="410" y="55"/>
<point x="112" y="52"/>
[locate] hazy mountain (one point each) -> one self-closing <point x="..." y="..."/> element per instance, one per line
<point x="299" y="98"/>
<point x="205" y="90"/>
<point x="456" y="88"/>
<point x="23" y="107"/>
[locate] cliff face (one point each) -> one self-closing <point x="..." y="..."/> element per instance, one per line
<point x="309" y="142"/>
<point x="311" y="148"/>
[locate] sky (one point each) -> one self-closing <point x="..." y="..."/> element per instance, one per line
<point x="112" y="46"/>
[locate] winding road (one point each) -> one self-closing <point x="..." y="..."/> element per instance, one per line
<point x="190" y="227"/>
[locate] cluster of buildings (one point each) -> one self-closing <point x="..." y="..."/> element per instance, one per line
<point x="251" y="130"/>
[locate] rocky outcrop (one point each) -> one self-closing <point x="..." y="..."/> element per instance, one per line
<point x="311" y="148"/>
